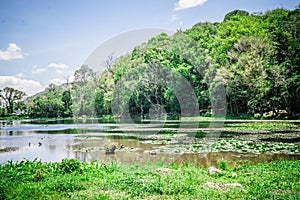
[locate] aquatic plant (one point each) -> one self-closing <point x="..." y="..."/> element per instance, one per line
<point x="260" y="126"/>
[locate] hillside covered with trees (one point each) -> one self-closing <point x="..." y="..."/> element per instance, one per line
<point x="248" y="64"/>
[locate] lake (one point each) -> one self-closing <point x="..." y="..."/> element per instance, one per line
<point x="89" y="139"/>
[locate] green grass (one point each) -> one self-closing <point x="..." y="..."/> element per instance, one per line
<point x="71" y="179"/>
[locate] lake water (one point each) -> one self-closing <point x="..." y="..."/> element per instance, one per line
<point x="87" y="140"/>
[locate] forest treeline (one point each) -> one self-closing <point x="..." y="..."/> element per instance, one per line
<point x="248" y="64"/>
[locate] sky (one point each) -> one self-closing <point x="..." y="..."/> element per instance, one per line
<point x="43" y="42"/>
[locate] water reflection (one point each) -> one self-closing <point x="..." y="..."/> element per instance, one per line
<point x="86" y="140"/>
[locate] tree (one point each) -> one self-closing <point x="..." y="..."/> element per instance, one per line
<point x="52" y="87"/>
<point x="67" y="103"/>
<point x="284" y="31"/>
<point x="257" y="55"/>
<point x="248" y="76"/>
<point x="235" y="13"/>
<point x="83" y="91"/>
<point x="12" y="98"/>
<point x="84" y="74"/>
<point x="48" y="104"/>
<point x="109" y="62"/>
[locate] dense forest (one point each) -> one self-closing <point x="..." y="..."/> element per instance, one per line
<point x="248" y="64"/>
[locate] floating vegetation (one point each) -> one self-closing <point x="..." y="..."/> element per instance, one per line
<point x="8" y="149"/>
<point x="260" y="126"/>
<point x="223" y="145"/>
<point x="255" y="147"/>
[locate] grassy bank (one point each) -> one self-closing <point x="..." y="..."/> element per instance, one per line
<point x="72" y="179"/>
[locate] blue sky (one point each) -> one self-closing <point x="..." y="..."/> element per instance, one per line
<point x="46" y="41"/>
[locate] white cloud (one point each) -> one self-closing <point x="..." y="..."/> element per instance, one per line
<point x="58" y="81"/>
<point x="12" y="52"/>
<point x="58" y="66"/>
<point x="64" y="72"/>
<point x="59" y="71"/>
<point x="184" y="4"/>
<point x="38" y="70"/>
<point x="71" y="78"/>
<point x="20" y="75"/>
<point x="174" y="17"/>
<point x="30" y="87"/>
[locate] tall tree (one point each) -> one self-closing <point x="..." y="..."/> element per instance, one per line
<point x="249" y="80"/>
<point x="67" y="103"/>
<point x="83" y="91"/>
<point x="84" y="74"/>
<point x="12" y="98"/>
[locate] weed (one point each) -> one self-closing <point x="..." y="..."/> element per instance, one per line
<point x="39" y="175"/>
<point x="223" y="165"/>
<point x="174" y="166"/>
<point x="65" y="184"/>
<point x="70" y="165"/>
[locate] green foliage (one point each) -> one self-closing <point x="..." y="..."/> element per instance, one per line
<point x="67" y="103"/>
<point x="84" y="75"/>
<point x="70" y="166"/>
<point x="13" y="100"/>
<point x="223" y="165"/>
<point x="231" y="15"/>
<point x="64" y="184"/>
<point x="2" y="192"/>
<point x="255" y="57"/>
<point x="238" y="51"/>
<point x="55" y="102"/>
<point x="83" y="92"/>
<point x="39" y="175"/>
<point x="246" y="75"/>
